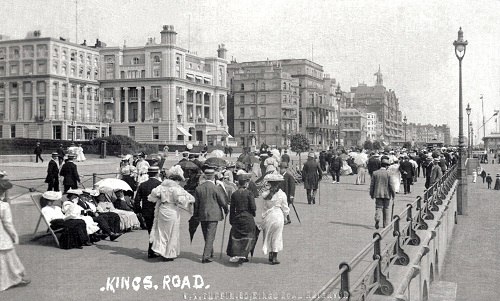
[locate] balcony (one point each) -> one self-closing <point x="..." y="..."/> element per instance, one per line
<point x="109" y="100"/>
<point x="204" y="120"/>
<point x="40" y="118"/>
<point x="155" y="98"/>
<point x="107" y="120"/>
<point x="179" y="98"/>
<point x="133" y="99"/>
<point x="190" y="99"/>
<point x="318" y="125"/>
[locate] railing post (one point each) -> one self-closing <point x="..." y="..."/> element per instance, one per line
<point x="414" y="239"/>
<point x="344" y="292"/>
<point x="385" y="287"/>
<point x="421" y="224"/>
<point x="94" y="178"/>
<point x="401" y="257"/>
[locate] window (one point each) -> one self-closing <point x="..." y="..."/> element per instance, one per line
<point x="2" y="70"/>
<point x="242" y="112"/>
<point x="73" y="56"/>
<point x="13" y="89"/>
<point x="252" y="126"/>
<point x="242" y="127"/>
<point x="156" y="59"/>
<point x="263" y="86"/>
<point x="156" y="133"/>
<point x="55" y="53"/>
<point x="242" y="87"/>
<point x="156" y="72"/>
<point x="42" y="68"/>
<point x="64" y="70"/>
<point x="262" y="126"/>
<point x="221" y="72"/>
<point x="2" y="54"/>
<point x="27" y="88"/>
<point x="55" y="67"/>
<point x="41" y="50"/>
<point x="14" y="69"/>
<point x="262" y="111"/>
<point x="242" y="99"/>
<point x="13" y="131"/>
<point x="73" y="71"/>
<point x="135" y="61"/>
<point x="156" y="92"/>
<point x="28" y="69"/>
<point x="16" y="53"/>
<point x="252" y="112"/>
<point x="80" y="72"/>
<point x="40" y="87"/>
<point x="80" y="58"/>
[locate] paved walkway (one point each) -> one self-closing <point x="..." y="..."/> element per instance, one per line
<point x="331" y="232"/>
<point x="473" y="257"/>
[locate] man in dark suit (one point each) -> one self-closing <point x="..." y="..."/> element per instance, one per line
<point x="373" y="163"/>
<point x="60" y="154"/>
<point x="38" y="152"/>
<point x="288" y="186"/>
<point x="382" y="190"/>
<point x="406" y="170"/>
<point x="208" y="209"/>
<point x="311" y="175"/>
<point x="70" y="174"/>
<point x="53" y="174"/>
<point x="285" y="157"/>
<point x="335" y="166"/>
<point x="143" y="206"/>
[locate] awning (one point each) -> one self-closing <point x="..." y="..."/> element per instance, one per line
<point x="218" y="133"/>
<point x="189" y="75"/>
<point x="199" y="77"/>
<point x="221" y="115"/>
<point x="179" y="111"/>
<point x="183" y="131"/>
<point x="90" y="128"/>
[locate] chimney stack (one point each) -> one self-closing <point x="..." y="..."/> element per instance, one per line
<point x="168" y="35"/>
<point x="222" y="51"/>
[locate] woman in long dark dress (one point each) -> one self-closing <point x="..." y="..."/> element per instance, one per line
<point x="241" y="217"/>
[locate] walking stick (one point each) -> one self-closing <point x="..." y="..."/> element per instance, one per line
<point x="294" y="209"/>
<point x="223" y="232"/>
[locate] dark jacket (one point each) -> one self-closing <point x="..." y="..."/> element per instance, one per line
<point x="406" y="169"/>
<point x="70" y="173"/>
<point x="288" y="186"/>
<point x="285" y="158"/>
<point x="38" y="150"/>
<point x="143" y="191"/>
<point x="373" y="165"/>
<point x="336" y="163"/>
<point x="242" y="202"/>
<point x="60" y="152"/>
<point x="436" y="174"/>
<point x="52" y="171"/>
<point x="381" y="186"/>
<point x="311" y="174"/>
<point x="209" y="203"/>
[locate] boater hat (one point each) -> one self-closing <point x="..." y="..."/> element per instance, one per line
<point x="52" y="195"/>
<point x="55" y="154"/>
<point x="273" y="178"/>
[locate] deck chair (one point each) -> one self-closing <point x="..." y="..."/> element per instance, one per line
<point x="39" y="204"/>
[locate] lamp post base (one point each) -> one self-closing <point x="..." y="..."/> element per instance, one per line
<point x="462" y="186"/>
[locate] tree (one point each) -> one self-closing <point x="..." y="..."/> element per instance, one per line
<point x="299" y="144"/>
<point x="368" y="145"/>
<point x="376" y="145"/>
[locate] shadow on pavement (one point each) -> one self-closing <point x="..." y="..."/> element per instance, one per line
<point x="353" y="225"/>
<point x="135" y="253"/>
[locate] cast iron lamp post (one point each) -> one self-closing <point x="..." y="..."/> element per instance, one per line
<point x="404" y="122"/>
<point x="338" y="93"/>
<point x="460" y="47"/>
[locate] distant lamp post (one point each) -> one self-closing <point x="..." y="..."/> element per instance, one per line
<point x="405" y="120"/>
<point x="460" y="47"/>
<point x="468" y="110"/>
<point x="471" y="139"/>
<point x="338" y="94"/>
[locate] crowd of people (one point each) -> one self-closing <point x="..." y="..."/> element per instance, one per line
<point x="210" y="190"/>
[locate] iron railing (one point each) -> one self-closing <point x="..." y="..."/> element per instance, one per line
<point x="371" y="277"/>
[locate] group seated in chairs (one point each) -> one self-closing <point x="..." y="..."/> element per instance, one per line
<point x="86" y="217"/>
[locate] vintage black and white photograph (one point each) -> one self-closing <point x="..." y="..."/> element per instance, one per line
<point x="249" y="150"/>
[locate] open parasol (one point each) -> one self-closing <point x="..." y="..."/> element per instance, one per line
<point x="216" y="162"/>
<point x="187" y="165"/>
<point x="113" y="184"/>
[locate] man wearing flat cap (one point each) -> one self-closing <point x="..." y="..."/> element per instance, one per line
<point x="382" y="190"/>
<point x="70" y="174"/>
<point x="143" y="206"/>
<point x="311" y="175"/>
<point x="52" y="177"/>
<point x="209" y="208"/>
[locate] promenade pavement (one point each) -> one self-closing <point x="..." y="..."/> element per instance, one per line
<point x="332" y="231"/>
<point x="472" y="260"/>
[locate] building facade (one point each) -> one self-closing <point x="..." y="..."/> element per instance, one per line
<point x="384" y="104"/>
<point x="161" y="92"/>
<point x="371" y="126"/>
<point x="49" y="89"/>
<point x="266" y="103"/>
<point x="427" y="133"/>
<point x="354" y="127"/>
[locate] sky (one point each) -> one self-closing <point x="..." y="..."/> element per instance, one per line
<point x="412" y="41"/>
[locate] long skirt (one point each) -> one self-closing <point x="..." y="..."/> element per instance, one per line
<point x="128" y="219"/>
<point x="242" y="236"/>
<point x="74" y="234"/>
<point x="11" y="269"/>
<point x="165" y="232"/>
<point x="497" y="184"/>
<point x="272" y="227"/>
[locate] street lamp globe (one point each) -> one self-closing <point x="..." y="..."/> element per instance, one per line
<point x="460" y="45"/>
<point x="468" y="109"/>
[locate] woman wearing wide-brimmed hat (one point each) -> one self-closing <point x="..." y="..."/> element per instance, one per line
<point x="274" y="211"/>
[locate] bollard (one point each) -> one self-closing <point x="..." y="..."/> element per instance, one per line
<point x="94" y="178"/>
<point x="344" y="281"/>
<point x="103" y="149"/>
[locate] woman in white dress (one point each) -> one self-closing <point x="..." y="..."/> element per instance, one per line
<point x="275" y="208"/>
<point x="11" y="268"/>
<point x="169" y="197"/>
<point x="80" y="156"/>
<point x="72" y="210"/>
<point x="395" y="175"/>
<point x="128" y="219"/>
